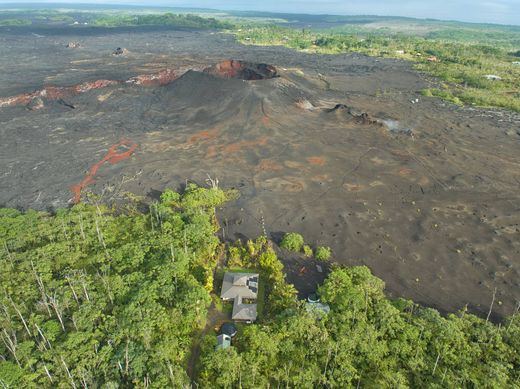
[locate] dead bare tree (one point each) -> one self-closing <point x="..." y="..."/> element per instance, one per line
<point x="82" y="280"/>
<point x="514" y="316"/>
<point x="99" y="234"/>
<point x="41" y="288"/>
<point x="43" y="336"/>
<point x="69" y="282"/>
<point x="491" y="306"/>
<point x="72" y="383"/>
<point x="54" y="302"/>
<point x="11" y="261"/>
<point x="48" y="373"/>
<point x="436" y="362"/>
<point x="11" y="344"/>
<point x="20" y="315"/>
<point x="212" y="183"/>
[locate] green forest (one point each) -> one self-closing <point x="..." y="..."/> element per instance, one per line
<point x="116" y="297"/>
<point x="166" y="19"/>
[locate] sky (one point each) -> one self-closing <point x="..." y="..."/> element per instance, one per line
<point x="487" y="11"/>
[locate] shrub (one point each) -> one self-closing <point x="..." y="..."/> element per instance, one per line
<point x="292" y="242"/>
<point x="307" y="250"/>
<point x="323" y="253"/>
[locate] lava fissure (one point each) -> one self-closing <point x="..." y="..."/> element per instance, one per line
<point x="113" y="157"/>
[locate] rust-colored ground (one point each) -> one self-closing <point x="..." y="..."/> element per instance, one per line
<point x="113" y="156"/>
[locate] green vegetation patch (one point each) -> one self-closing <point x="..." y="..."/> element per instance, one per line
<point x="323" y="253"/>
<point x="95" y="297"/>
<point x="366" y="341"/>
<point x="15" y="22"/>
<point x="99" y="297"/>
<point x="465" y="61"/>
<point x="307" y="251"/>
<point x="166" y="19"/>
<point x="292" y="241"/>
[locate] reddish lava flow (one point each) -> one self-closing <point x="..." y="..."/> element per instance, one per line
<point x="55" y="92"/>
<point x="112" y="156"/>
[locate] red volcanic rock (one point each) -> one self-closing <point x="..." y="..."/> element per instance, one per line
<point x="56" y="92"/>
<point x="98" y="84"/>
<point x="158" y="79"/>
<point x="242" y="70"/>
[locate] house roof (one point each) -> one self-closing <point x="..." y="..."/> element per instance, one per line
<point x="228" y="329"/>
<point x="239" y="284"/>
<point x="243" y="311"/>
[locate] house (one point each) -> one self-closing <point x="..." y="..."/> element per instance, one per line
<point x="223" y="341"/>
<point x="241" y="287"/>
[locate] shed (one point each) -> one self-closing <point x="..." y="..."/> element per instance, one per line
<point x="223" y="341"/>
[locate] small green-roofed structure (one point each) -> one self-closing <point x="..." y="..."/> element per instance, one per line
<point x="318" y="309"/>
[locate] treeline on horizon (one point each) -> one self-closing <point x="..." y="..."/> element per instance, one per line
<point x="96" y="296"/>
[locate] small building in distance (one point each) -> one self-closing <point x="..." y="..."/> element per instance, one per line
<point x="223" y="341"/>
<point x="492" y="77"/>
<point x="239" y="287"/>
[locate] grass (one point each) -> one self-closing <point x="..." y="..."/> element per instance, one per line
<point x="15" y="22"/>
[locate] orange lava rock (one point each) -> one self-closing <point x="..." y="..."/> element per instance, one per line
<point x="113" y="157"/>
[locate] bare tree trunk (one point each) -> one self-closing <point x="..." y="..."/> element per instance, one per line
<point x="436" y="362"/>
<point x="21" y="316"/>
<point x="126" y="355"/>
<point x="42" y="335"/>
<point x="8" y="254"/>
<point x="72" y="289"/>
<point x="48" y="373"/>
<point x="83" y="285"/>
<point x="11" y="345"/>
<point x="99" y="234"/>
<point x="72" y="383"/>
<point x="81" y="226"/>
<point x="514" y="315"/>
<point x="491" y="306"/>
<point x="55" y="305"/>
<point x="41" y="287"/>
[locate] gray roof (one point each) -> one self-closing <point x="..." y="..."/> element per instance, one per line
<point x="242" y="311"/>
<point x="239" y="284"/>
<point x="223" y="341"/>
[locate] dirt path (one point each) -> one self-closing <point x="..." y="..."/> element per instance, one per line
<point x="215" y="319"/>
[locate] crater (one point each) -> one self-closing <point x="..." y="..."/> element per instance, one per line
<point x="242" y="70"/>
